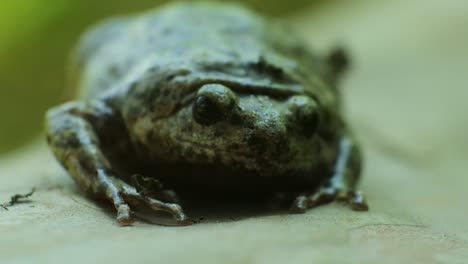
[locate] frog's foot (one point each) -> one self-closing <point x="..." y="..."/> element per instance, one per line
<point x="324" y="195"/>
<point x="152" y="187"/>
<point x="123" y="195"/>
<point x="341" y="186"/>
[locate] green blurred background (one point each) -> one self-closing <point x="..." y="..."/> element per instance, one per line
<point x="36" y="37"/>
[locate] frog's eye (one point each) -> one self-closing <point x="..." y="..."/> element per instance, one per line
<point x="307" y="114"/>
<point x="206" y="111"/>
<point x="213" y="103"/>
<point x="309" y="119"/>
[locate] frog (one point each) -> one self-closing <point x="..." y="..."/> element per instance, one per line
<point x="209" y="100"/>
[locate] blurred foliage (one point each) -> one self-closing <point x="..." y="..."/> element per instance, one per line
<point x="36" y="37"/>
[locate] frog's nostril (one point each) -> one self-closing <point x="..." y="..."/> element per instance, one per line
<point x="267" y="137"/>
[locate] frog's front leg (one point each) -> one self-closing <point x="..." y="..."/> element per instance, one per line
<point x="76" y="132"/>
<point x="342" y="185"/>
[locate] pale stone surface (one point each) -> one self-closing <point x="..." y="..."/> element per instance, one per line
<point x="407" y="99"/>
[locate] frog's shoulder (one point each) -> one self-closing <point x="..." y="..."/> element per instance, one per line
<point x="93" y="40"/>
<point x="89" y="45"/>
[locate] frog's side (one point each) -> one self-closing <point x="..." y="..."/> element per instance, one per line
<point x="207" y="99"/>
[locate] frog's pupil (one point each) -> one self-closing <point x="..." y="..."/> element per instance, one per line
<point x="206" y="111"/>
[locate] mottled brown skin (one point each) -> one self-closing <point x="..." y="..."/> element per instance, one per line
<point x="207" y="99"/>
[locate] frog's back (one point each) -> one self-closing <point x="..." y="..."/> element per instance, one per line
<point x="174" y="34"/>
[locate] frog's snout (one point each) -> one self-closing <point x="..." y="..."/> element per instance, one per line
<point x="270" y="134"/>
<point x="268" y="125"/>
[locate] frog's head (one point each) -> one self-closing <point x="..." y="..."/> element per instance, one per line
<point x="258" y="132"/>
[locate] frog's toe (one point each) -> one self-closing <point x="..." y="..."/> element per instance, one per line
<point x="123" y="196"/>
<point x="114" y="193"/>
<point x="357" y="201"/>
<point x="304" y="202"/>
<point x="123" y="215"/>
<point x="299" y="205"/>
<point x="175" y="210"/>
<point x="325" y="195"/>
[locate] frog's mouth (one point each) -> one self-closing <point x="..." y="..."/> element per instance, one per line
<point x="208" y="153"/>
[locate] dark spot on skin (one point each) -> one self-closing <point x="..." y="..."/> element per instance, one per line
<point x="87" y="165"/>
<point x="153" y="69"/>
<point x="218" y="133"/>
<point x="133" y="113"/>
<point x="154" y="94"/>
<point x="234" y="147"/>
<point x="133" y="85"/>
<point x="216" y="67"/>
<point x="338" y="60"/>
<point x="235" y="119"/>
<point x="114" y="71"/>
<point x="175" y="97"/>
<point x="257" y="143"/>
<point x="65" y="142"/>
<point x="200" y="155"/>
<point x="188" y="128"/>
<point x="150" y="136"/>
<point x="281" y="148"/>
<point x="73" y="142"/>
<point x="263" y="67"/>
<point x="250" y="125"/>
<point x="170" y="77"/>
<point x="149" y="99"/>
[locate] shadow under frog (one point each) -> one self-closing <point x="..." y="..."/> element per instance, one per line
<point x="204" y="102"/>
